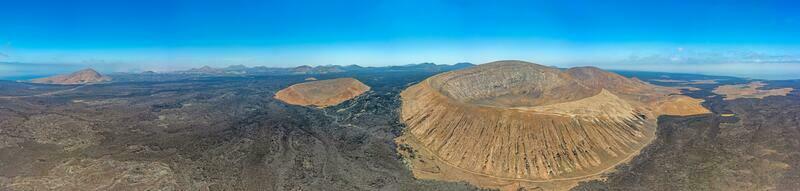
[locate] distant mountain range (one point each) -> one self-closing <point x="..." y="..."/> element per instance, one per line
<point x="305" y="69"/>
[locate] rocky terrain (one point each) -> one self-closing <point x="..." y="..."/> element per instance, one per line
<point x="746" y="144"/>
<point x="512" y="124"/>
<point x="180" y="131"/>
<point x="84" y="76"/>
<point x="322" y="93"/>
<point x="215" y="133"/>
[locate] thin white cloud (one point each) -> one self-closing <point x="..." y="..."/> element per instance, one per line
<point x="648" y="57"/>
<point x="741" y="63"/>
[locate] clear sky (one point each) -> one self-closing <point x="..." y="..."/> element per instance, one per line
<point x="716" y="37"/>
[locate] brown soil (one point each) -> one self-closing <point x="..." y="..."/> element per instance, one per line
<point x="750" y="90"/>
<point x="680" y="105"/>
<point x="80" y="77"/>
<point x="512" y="124"/>
<point x="322" y="93"/>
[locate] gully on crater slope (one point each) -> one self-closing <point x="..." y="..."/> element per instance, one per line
<point x="513" y="121"/>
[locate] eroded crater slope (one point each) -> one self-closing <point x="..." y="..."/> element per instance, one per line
<point x="322" y="93"/>
<point x="510" y="122"/>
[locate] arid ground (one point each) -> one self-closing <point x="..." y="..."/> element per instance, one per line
<point x="227" y="132"/>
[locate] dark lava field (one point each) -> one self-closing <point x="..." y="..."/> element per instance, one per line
<point x="229" y="133"/>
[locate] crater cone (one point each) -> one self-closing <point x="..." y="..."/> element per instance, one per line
<point x="519" y="121"/>
<point x="85" y="76"/>
<point x="322" y="93"/>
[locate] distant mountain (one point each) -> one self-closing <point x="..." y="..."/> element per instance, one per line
<point x="205" y="70"/>
<point x="317" y="70"/>
<point x="302" y="69"/>
<point x="352" y="67"/>
<point x="311" y="72"/>
<point x="431" y="67"/>
<point x="463" y="65"/>
<point x="84" y="76"/>
<point x="327" y="69"/>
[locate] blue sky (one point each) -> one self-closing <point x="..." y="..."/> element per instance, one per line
<point x="169" y="35"/>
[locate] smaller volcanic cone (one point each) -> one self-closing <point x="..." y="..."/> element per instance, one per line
<point x="322" y="93"/>
<point x="84" y="76"/>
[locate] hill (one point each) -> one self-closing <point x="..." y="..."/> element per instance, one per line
<point x="322" y="93"/>
<point x="84" y="76"/>
<point x="511" y="122"/>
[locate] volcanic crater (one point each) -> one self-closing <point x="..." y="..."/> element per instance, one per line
<point x="514" y="121"/>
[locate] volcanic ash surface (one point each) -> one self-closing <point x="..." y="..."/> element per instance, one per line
<point x="512" y="122"/>
<point x="322" y="93"/>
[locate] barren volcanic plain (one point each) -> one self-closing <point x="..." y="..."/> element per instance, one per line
<point x="513" y="124"/>
<point x="504" y="125"/>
